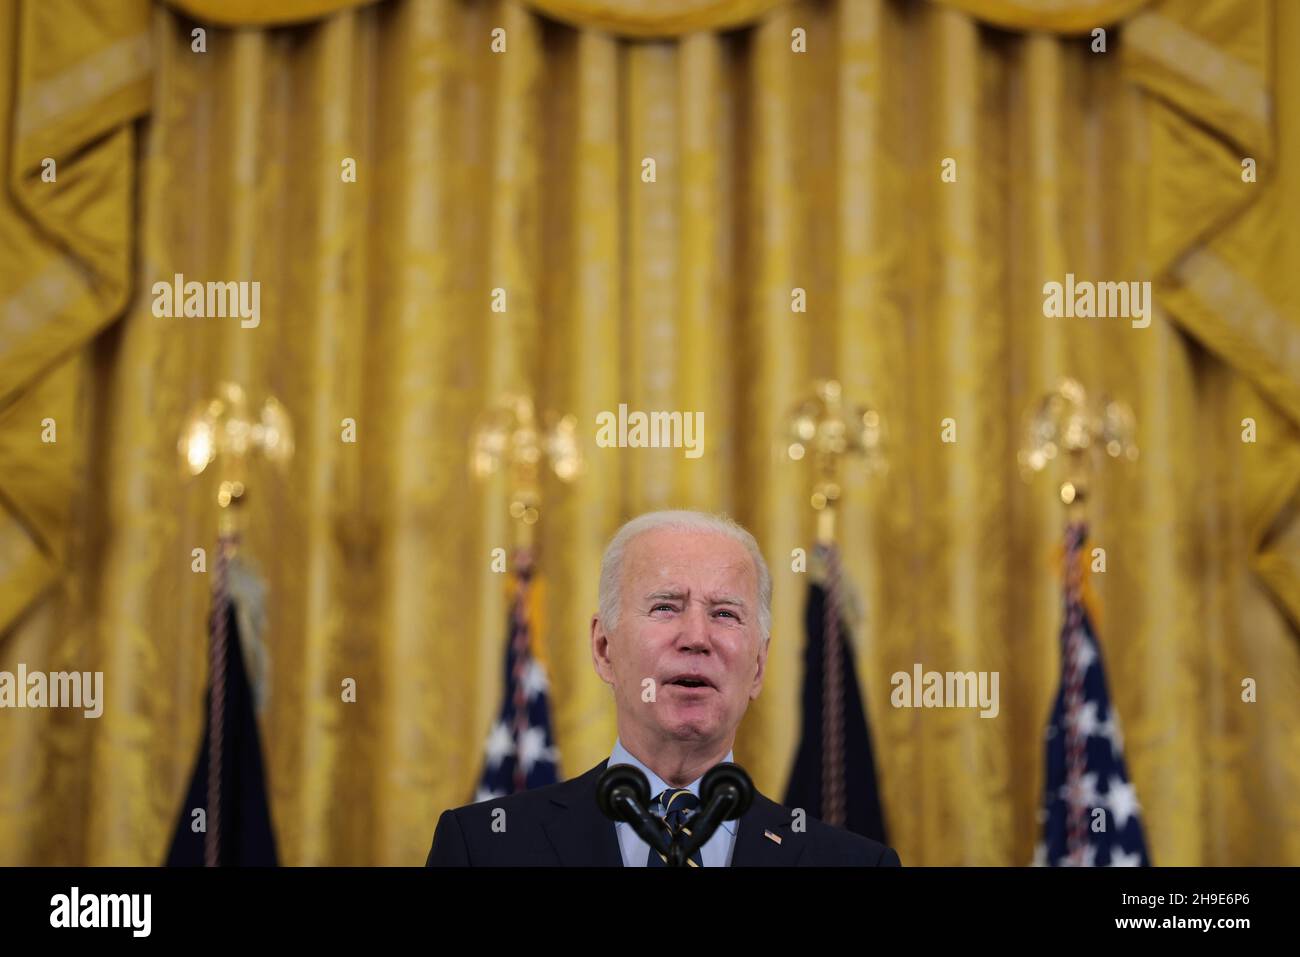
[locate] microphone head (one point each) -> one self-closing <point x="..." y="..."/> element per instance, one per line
<point x="728" y="776"/>
<point x="612" y="779"/>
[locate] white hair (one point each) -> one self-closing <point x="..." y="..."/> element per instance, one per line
<point x="611" y="563"/>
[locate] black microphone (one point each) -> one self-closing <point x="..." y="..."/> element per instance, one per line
<point x="726" y="792"/>
<point x="622" y="793"/>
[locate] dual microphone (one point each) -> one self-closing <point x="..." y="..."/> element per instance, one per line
<point x="623" y="794"/>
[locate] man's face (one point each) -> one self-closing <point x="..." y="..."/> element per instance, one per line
<point x="689" y="615"/>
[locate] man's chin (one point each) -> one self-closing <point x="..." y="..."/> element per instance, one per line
<point x="692" y="728"/>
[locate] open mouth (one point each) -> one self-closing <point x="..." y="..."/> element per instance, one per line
<point x="691" y="682"/>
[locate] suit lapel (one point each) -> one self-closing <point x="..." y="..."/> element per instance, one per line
<point x="579" y="833"/>
<point x="754" y="848"/>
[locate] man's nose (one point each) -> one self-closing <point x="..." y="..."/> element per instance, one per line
<point x="694" y="633"/>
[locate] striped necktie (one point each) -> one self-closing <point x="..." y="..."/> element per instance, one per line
<point x="674" y="808"/>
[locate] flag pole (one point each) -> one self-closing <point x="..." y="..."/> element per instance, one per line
<point x="525" y="510"/>
<point x="221" y="429"/>
<point x="1066" y="421"/>
<point x="218" y="623"/>
<point x="822" y="429"/>
<point x="510" y="438"/>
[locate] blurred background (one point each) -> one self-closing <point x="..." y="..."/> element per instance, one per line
<point x="521" y="169"/>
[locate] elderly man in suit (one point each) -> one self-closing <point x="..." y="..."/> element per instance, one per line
<point x="681" y="636"/>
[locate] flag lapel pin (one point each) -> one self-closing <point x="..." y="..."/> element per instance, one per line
<point x="776" y="838"/>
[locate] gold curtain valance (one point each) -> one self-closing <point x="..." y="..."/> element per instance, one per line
<point x="261" y="13"/>
<point x="669" y="18"/>
<point x="655" y="18"/>
<point x="635" y="18"/>
<point x="1048" y="16"/>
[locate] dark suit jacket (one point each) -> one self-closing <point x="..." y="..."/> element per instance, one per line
<point x="560" y="825"/>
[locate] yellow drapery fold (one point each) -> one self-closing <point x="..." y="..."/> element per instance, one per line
<point x="1223" y="118"/>
<point x="670" y="18"/>
<point x="656" y="18"/>
<point x="80" y="77"/>
<point x="262" y="13"/>
<point x="524" y="173"/>
<point x="1049" y="16"/>
<point x="76" y="77"/>
<point x="643" y="18"/>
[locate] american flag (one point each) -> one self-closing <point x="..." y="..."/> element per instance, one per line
<point x="520" y="752"/>
<point x="1090" y="813"/>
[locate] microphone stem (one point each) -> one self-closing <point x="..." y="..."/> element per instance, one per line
<point x="645" y="825"/>
<point x="704" y="824"/>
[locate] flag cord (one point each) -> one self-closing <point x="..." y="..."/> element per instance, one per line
<point x="833" y="797"/>
<point x="218" y="650"/>
<point x="1072" y="651"/>
<point x="523" y="577"/>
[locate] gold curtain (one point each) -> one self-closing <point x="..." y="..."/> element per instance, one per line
<point x="522" y="171"/>
<point x="1054" y="16"/>
<point x="645" y="18"/>
<point x="665" y="18"/>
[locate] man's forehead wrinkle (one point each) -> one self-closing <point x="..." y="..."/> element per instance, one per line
<point x="667" y="593"/>
<point x="720" y="580"/>
<point x="657" y="566"/>
<point x="714" y="597"/>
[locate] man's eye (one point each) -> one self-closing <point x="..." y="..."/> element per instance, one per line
<point x="727" y="611"/>
<point x="662" y="605"/>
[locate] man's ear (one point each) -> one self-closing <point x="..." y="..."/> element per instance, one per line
<point x="600" y="651"/>
<point x="762" y="667"/>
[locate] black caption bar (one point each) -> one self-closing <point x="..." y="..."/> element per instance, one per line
<point x="336" y="906"/>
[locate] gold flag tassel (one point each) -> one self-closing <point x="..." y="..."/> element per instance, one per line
<point x="1066" y="425"/>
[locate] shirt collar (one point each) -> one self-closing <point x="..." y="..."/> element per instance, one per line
<point x="621" y="755"/>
